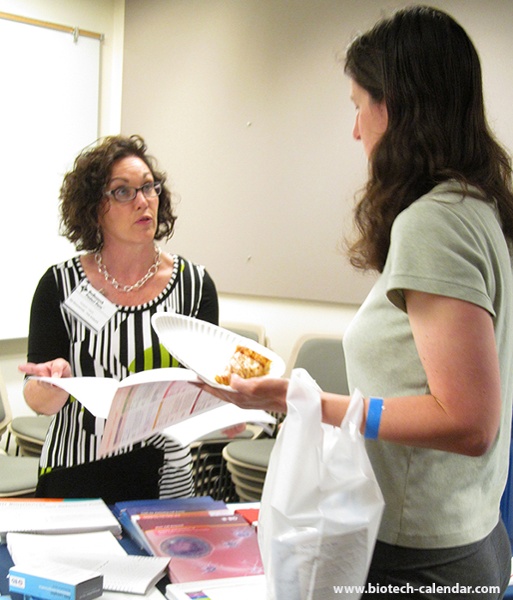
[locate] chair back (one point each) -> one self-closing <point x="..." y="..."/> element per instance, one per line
<point x="250" y="330"/>
<point x="18" y="475"/>
<point x="322" y="355"/>
<point x="29" y="432"/>
<point x="211" y="477"/>
<point x="5" y="407"/>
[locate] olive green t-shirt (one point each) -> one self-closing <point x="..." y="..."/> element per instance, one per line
<point x="449" y="244"/>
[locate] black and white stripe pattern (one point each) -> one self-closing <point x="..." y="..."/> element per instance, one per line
<point x="127" y="344"/>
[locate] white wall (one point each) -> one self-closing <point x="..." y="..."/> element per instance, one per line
<point x="99" y="16"/>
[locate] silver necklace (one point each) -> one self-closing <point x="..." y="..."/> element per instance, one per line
<point x="102" y="269"/>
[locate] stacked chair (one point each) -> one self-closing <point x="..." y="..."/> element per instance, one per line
<point x="5" y="409"/>
<point x="322" y="356"/>
<point x="247" y="461"/>
<point x="211" y="476"/>
<point x="18" y="474"/>
<point x="29" y="433"/>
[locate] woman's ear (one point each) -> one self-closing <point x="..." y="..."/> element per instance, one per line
<point x="383" y="112"/>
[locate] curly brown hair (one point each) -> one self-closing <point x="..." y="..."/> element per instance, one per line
<point x="423" y="65"/>
<point x="83" y="190"/>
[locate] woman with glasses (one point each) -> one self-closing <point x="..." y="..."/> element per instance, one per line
<point x="90" y="316"/>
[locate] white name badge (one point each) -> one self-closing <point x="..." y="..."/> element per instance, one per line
<point x="90" y="306"/>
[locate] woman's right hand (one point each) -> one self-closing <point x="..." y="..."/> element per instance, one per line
<point x="53" y="368"/>
<point x="45" y="398"/>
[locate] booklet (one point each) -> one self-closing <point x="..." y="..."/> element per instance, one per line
<point x="251" y="587"/>
<point x="149" y="402"/>
<point x="99" y="551"/>
<point x="54" y="516"/>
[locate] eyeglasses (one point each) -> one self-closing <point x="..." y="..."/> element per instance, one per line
<point x="127" y="193"/>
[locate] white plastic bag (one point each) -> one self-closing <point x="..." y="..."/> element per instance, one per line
<point x="321" y="504"/>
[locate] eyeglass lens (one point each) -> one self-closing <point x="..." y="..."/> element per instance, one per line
<point x="126" y="193"/>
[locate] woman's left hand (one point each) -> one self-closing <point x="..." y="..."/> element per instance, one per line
<point x="263" y="393"/>
<point x="234" y="430"/>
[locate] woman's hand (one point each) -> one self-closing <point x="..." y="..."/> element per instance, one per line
<point x="263" y="393"/>
<point x="234" y="430"/>
<point x="45" y="398"/>
<point x="53" y="368"/>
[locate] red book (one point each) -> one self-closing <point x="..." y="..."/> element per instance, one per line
<point x="204" y="546"/>
<point x="250" y="514"/>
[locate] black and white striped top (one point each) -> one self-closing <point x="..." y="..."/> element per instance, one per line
<point x="127" y="344"/>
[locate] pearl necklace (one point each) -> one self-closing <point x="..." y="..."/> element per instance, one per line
<point x="102" y="269"/>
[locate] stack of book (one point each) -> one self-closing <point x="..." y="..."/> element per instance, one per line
<point x="58" y="535"/>
<point x="202" y="538"/>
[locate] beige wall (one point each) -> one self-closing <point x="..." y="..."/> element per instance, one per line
<point x="248" y="111"/>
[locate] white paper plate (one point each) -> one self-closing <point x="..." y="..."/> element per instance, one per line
<point x="205" y="348"/>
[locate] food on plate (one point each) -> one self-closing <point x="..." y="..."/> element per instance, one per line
<point x="246" y="363"/>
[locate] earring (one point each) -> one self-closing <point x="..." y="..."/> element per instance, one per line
<point x="99" y="237"/>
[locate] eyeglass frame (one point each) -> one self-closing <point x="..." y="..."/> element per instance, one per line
<point x="156" y="187"/>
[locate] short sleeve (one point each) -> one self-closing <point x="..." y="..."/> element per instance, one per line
<point x="209" y="305"/>
<point x="48" y="338"/>
<point x="442" y="248"/>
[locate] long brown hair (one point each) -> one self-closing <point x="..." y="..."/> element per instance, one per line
<point x="426" y="69"/>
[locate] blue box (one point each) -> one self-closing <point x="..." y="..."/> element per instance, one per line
<point x="52" y="581"/>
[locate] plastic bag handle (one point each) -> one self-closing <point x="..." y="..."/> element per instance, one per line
<point x="353" y="418"/>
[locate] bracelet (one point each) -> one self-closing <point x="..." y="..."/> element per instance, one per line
<point x="373" y="418"/>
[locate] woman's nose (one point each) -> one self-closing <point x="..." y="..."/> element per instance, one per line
<point x="140" y="198"/>
<point x="356" y="130"/>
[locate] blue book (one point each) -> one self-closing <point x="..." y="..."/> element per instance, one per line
<point x="127" y="512"/>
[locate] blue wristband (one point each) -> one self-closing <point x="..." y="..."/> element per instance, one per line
<point x="373" y="418"/>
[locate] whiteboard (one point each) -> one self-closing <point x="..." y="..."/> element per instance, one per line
<point x="48" y="113"/>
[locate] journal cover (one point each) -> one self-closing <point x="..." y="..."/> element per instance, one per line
<point x="204" y="547"/>
<point x="128" y="512"/>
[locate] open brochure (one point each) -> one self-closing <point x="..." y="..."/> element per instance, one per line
<point x="153" y="401"/>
